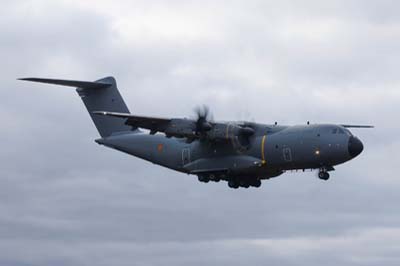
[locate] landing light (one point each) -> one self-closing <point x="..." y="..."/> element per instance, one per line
<point x="317" y="152"/>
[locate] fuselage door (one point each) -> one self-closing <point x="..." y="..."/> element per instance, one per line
<point x="287" y="154"/>
<point x="185" y="156"/>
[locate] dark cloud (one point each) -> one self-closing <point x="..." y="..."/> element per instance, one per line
<point x="65" y="200"/>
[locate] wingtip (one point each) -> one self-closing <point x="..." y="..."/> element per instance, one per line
<point x="30" y="79"/>
<point x="357" y="126"/>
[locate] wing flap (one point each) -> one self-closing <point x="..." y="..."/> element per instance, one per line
<point x="151" y="123"/>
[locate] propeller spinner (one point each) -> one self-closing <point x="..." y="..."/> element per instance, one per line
<point x="202" y="122"/>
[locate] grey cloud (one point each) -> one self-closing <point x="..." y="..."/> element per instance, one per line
<point x="65" y="200"/>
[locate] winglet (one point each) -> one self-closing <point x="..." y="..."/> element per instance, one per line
<point x="70" y="83"/>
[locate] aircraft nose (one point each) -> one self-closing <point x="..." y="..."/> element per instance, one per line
<point x="355" y="146"/>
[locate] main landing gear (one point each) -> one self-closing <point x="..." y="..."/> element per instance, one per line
<point x="232" y="182"/>
<point x="204" y="179"/>
<point x="208" y="178"/>
<point x="245" y="184"/>
<point x="323" y="174"/>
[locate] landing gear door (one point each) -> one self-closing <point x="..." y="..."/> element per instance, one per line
<point x="185" y="156"/>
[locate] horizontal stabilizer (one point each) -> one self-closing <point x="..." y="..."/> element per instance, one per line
<point x="71" y="83"/>
<point x="357" y="126"/>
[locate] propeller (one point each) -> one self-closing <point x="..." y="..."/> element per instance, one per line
<point x="202" y="121"/>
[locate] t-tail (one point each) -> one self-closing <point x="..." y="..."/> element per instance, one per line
<point x="101" y="95"/>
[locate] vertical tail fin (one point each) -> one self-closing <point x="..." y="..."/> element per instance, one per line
<point x="105" y="99"/>
<point x="101" y="95"/>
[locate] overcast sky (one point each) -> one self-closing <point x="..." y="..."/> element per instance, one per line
<point x="64" y="200"/>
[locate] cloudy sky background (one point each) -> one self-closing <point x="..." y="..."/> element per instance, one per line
<point x="65" y="200"/>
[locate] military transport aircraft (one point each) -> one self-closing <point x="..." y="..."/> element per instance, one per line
<point x="241" y="153"/>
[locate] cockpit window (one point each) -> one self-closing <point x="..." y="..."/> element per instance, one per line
<point x="341" y="131"/>
<point x="334" y="131"/>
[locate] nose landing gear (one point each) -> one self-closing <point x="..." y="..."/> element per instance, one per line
<point x="323" y="174"/>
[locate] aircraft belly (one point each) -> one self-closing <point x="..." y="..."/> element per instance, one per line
<point x="231" y="164"/>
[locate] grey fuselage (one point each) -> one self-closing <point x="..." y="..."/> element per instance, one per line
<point x="272" y="150"/>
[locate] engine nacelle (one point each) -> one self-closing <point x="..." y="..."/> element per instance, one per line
<point x="229" y="132"/>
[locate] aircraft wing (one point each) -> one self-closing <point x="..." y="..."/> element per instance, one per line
<point x="175" y="127"/>
<point x="357" y="126"/>
<point x="185" y="128"/>
<point x="151" y="123"/>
